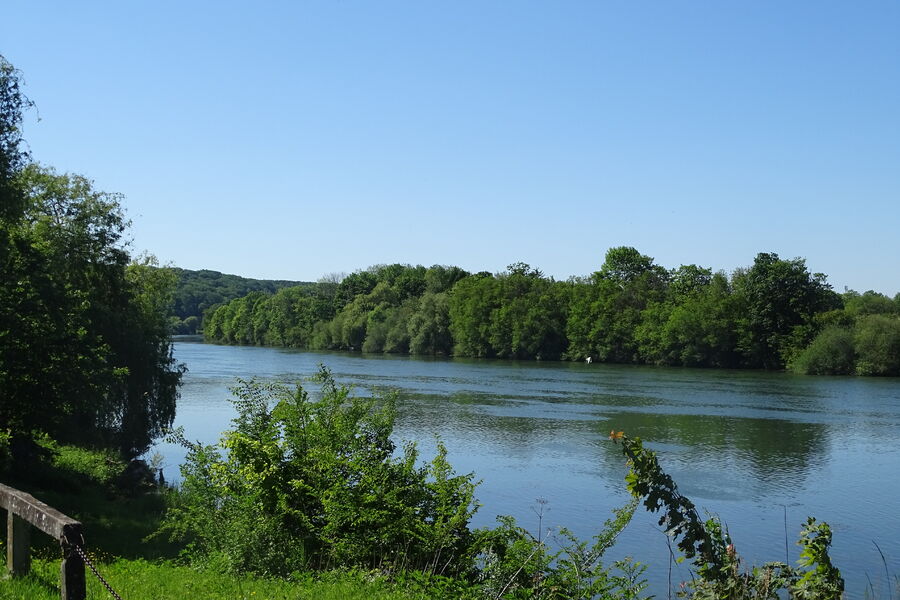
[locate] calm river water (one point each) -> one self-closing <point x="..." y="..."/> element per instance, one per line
<point x="750" y="447"/>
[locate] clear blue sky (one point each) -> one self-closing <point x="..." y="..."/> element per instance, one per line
<point x="289" y="140"/>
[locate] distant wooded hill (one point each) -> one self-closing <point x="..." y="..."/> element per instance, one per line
<point x="198" y="291"/>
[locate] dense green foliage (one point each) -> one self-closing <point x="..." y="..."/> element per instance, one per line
<point x="198" y="291"/>
<point x="84" y="340"/>
<point x="518" y="314"/>
<point x="306" y="483"/>
<point x="120" y="520"/>
<point x="863" y="338"/>
<point x="773" y="314"/>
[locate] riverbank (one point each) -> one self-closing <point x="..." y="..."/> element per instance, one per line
<point x="147" y="580"/>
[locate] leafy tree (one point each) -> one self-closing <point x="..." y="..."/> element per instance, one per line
<point x="629" y="311"/>
<point x="84" y="348"/>
<point x="406" y="281"/>
<point x="472" y="303"/>
<point x="688" y="280"/>
<point x="580" y="328"/>
<point x="429" y="325"/>
<point x="607" y="309"/>
<point x="190" y="325"/>
<point x="355" y="284"/>
<point x="530" y="320"/>
<point x="398" y="338"/>
<point x="294" y="311"/>
<point x="352" y="321"/>
<point x="439" y="278"/>
<point x="286" y="318"/>
<point x="869" y="303"/>
<point x="386" y="328"/>
<point x="213" y="324"/>
<point x="778" y="297"/>
<point x="624" y="264"/>
<point x="13" y="157"/>
<point x="141" y="407"/>
<point x="694" y="327"/>
<point x="242" y="328"/>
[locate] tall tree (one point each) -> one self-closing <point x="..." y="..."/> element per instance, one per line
<point x="694" y="326"/>
<point x="778" y="297"/>
<point x="429" y="325"/>
<point x="13" y="156"/>
<point x="84" y="348"/>
<point x="606" y="310"/>
<point x="472" y="303"/>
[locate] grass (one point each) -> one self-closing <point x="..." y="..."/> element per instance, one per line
<point x="82" y="484"/>
<point x="144" y="580"/>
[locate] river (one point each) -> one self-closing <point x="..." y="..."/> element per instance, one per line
<point x="760" y="450"/>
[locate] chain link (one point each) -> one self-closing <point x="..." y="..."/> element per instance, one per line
<point x="87" y="561"/>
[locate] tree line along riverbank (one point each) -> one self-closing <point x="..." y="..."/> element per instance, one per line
<point x="774" y="314"/>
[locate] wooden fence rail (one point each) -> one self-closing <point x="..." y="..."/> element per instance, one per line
<point x="23" y="511"/>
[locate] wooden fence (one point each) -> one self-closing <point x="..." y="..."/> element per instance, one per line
<point x="23" y="511"/>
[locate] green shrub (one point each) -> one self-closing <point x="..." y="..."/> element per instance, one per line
<point x="877" y="342"/>
<point x="304" y="483"/>
<point x="830" y="353"/>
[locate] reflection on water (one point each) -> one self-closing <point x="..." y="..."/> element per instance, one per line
<point x="754" y="448"/>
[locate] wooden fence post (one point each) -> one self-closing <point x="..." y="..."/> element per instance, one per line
<point x="71" y="575"/>
<point x="18" y="542"/>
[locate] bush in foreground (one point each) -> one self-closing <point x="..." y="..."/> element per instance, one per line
<point x="308" y="483"/>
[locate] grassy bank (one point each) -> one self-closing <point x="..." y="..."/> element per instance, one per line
<point x="120" y="518"/>
<point x="138" y="579"/>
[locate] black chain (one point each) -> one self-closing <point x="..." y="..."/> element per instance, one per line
<point x="88" y="562"/>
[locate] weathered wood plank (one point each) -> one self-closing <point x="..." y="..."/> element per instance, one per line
<point x="18" y="541"/>
<point x="25" y="510"/>
<point x="47" y="519"/>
